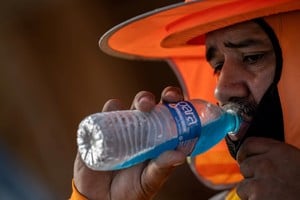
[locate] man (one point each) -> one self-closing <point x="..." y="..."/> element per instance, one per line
<point x="252" y="48"/>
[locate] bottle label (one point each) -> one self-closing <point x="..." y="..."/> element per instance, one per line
<point x="188" y="124"/>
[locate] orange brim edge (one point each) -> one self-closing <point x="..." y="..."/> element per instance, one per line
<point x="164" y="33"/>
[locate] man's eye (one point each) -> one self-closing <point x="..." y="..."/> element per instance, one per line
<point x="252" y="59"/>
<point x="217" y="68"/>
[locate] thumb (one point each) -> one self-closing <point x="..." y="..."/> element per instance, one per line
<point x="158" y="170"/>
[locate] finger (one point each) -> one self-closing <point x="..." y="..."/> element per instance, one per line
<point x="144" y="101"/>
<point x="254" y="146"/>
<point x="85" y="180"/>
<point x="158" y="170"/>
<point x="243" y="190"/>
<point x="259" y="166"/>
<point x="247" y="167"/>
<point x="256" y="166"/>
<point x="113" y="104"/>
<point x="250" y="188"/>
<point x="172" y="94"/>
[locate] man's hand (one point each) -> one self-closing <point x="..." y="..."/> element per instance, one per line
<point x="139" y="182"/>
<point x="271" y="170"/>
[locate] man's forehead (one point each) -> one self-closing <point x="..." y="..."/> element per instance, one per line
<point x="246" y="31"/>
<point x="243" y="35"/>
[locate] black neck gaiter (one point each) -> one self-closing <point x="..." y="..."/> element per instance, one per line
<point x="268" y="119"/>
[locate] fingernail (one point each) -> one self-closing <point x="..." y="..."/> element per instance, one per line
<point x="172" y="94"/>
<point x="145" y="98"/>
<point x="178" y="164"/>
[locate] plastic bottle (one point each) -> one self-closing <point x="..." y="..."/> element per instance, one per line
<point x="120" y="139"/>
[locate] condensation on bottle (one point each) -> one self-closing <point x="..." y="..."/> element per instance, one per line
<point x="120" y="139"/>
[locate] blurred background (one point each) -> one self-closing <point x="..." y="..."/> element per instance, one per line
<point x="52" y="74"/>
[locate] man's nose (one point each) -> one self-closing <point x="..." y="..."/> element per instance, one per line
<point x="231" y="82"/>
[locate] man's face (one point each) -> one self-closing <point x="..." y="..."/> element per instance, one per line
<point x="243" y="60"/>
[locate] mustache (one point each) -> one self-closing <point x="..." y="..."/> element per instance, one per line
<point x="242" y="106"/>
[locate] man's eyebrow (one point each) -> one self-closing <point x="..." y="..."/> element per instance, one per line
<point x="211" y="51"/>
<point x="243" y="43"/>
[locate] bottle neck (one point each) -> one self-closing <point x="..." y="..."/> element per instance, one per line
<point x="235" y="121"/>
<point x="213" y="132"/>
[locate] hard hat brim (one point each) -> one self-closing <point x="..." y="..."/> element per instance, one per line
<point x="178" y="30"/>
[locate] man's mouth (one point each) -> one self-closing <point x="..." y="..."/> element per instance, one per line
<point x="241" y="132"/>
<point x="246" y="111"/>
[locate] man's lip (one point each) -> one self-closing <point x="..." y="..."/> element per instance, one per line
<point x="241" y="132"/>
